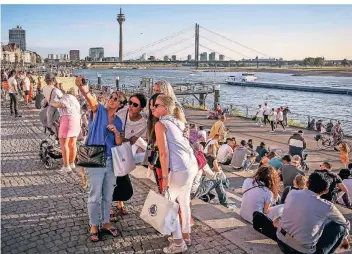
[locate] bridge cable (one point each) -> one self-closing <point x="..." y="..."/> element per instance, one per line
<point x="170" y="45"/>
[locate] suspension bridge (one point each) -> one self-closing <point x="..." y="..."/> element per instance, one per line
<point x="179" y="46"/>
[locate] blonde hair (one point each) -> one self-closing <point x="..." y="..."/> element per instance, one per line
<point x="300" y="181"/>
<point x="212" y="150"/>
<point x="166" y="88"/>
<point x="171" y="107"/>
<point x="344" y="147"/>
<point x="72" y="91"/>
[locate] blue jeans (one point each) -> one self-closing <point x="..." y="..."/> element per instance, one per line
<point x="330" y="240"/>
<point x="100" y="189"/>
<point x="207" y="185"/>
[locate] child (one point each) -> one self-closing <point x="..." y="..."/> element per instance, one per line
<point x="299" y="183"/>
<point x="344" y="151"/>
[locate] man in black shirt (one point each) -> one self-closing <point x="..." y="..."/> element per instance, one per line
<point x="335" y="186"/>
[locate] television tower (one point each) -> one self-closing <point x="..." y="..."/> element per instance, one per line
<point x="121" y="18"/>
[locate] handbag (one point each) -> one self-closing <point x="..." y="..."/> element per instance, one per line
<point x="160" y="212"/>
<point x="92" y="156"/>
<point x="122" y="157"/>
<point x="123" y="190"/>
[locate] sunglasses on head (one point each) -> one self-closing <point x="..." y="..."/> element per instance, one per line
<point x="115" y="98"/>
<point x="133" y="103"/>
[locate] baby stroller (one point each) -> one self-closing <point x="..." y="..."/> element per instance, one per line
<point x="50" y="149"/>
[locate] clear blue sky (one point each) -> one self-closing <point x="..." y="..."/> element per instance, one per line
<point x="288" y="31"/>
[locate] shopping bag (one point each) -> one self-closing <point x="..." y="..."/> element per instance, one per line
<point x="122" y="159"/>
<point x="160" y="212"/>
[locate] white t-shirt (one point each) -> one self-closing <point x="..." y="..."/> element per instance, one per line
<point x="254" y="199"/>
<point x="27" y="84"/>
<point x="280" y="116"/>
<point x="212" y="141"/>
<point x="47" y="92"/>
<point x="272" y="116"/>
<point x="260" y="112"/>
<point x="12" y="85"/>
<point x="203" y="134"/>
<point x="137" y="128"/>
<point x="224" y="152"/>
<point x="266" y="110"/>
<point x="72" y="106"/>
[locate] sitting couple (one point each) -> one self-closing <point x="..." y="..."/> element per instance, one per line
<point x="308" y="223"/>
<point x="209" y="177"/>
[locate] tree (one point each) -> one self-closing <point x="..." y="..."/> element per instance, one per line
<point x="345" y="62"/>
<point x="319" y="61"/>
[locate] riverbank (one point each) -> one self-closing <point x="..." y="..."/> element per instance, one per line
<point x="324" y="71"/>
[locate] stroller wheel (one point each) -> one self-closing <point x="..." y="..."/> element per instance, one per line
<point x="48" y="164"/>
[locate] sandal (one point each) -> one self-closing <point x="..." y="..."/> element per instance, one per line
<point x="112" y="231"/>
<point x="123" y="210"/>
<point x="94" y="236"/>
<point x="113" y="216"/>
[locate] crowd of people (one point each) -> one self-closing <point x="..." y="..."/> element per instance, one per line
<point x="279" y="200"/>
<point x="272" y="116"/>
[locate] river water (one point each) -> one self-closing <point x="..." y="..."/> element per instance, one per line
<point x="317" y="105"/>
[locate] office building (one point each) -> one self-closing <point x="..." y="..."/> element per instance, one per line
<point x="212" y="56"/>
<point x="189" y="57"/>
<point x="144" y="57"/>
<point x="173" y="58"/>
<point x="221" y="58"/>
<point x="64" y="57"/>
<point x="96" y="53"/>
<point x="74" y="55"/>
<point x="18" y="36"/>
<point x="203" y="56"/>
<point x="166" y="58"/>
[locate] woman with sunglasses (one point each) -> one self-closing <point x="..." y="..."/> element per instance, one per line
<point x="135" y="132"/>
<point x="104" y="129"/>
<point x="179" y="167"/>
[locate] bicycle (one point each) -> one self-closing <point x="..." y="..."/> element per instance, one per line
<point x="325" y="141"/>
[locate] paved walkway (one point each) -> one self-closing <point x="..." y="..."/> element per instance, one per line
<point x="45" y="212"/>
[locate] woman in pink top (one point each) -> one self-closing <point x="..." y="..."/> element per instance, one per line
<point x="70" y="126"/>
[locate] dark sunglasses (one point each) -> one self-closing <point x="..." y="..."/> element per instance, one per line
<point x="115" y="98"/>
<point x="133" y="103"/>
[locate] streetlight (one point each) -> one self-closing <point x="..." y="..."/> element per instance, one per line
<point x="117" y="83"/>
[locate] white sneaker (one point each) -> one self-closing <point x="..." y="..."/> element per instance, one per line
<point x="173" y="248"/>
<point x="271" y="131"/>
<point x="65" y="169"/>
<point x="187" y="241"/>
<point x="73" y="165"/>
<point x="261" y="125"/>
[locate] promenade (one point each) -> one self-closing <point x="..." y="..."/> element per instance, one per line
<point x="45" y="212"/>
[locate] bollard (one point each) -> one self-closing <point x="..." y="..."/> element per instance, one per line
<point x="99" y="79"/>
<point x="117" y="83"/>
<point x="216" y="96"/>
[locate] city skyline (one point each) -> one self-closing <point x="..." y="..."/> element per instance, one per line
<point x="287" y="31"/>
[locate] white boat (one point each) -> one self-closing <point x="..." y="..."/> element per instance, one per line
<point x="244" y="77"/>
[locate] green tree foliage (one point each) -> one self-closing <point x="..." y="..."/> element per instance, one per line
<point x="345" y="62"/>
<point x="311" y="61"/>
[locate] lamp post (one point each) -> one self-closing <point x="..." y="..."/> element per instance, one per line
<point x="117" y="83"/>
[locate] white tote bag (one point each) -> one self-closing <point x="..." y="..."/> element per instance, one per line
<point x="160" y="213"/>
<point x="122" y="159"/>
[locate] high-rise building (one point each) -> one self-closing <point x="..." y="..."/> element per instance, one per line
<point x="64" y="57"/>
<point x="203" y="56"/>
<point x="221" y="58"/>
<point x="74" y="55"/>
<point x="212" y="56"/>
<point x="144" y="57"/>
<point x="189" y="57"/>
<point x="18" y="35"/>
<point x="96" y="53"/>
<point x="173" y="57"/>
<point x="120" y="19"/>
<point x="166" y="58"/>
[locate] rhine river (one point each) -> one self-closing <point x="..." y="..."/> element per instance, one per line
<point x="318" y="105"/>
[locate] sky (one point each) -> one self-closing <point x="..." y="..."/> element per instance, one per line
<point x="287" y="31"/>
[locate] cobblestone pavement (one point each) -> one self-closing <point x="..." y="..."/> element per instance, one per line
<point x="45" y="212"/>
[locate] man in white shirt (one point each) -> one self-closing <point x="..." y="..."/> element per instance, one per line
<point x="13" y="92"/>
<point x="225" y="152"/>
<point x="51" y="94"/>
<point x="260" y="114"/>
<point x="266" y="113"/>
<point x="26" y="87"/>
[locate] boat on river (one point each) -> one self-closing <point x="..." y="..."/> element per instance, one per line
<point x="244" y="77"/>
